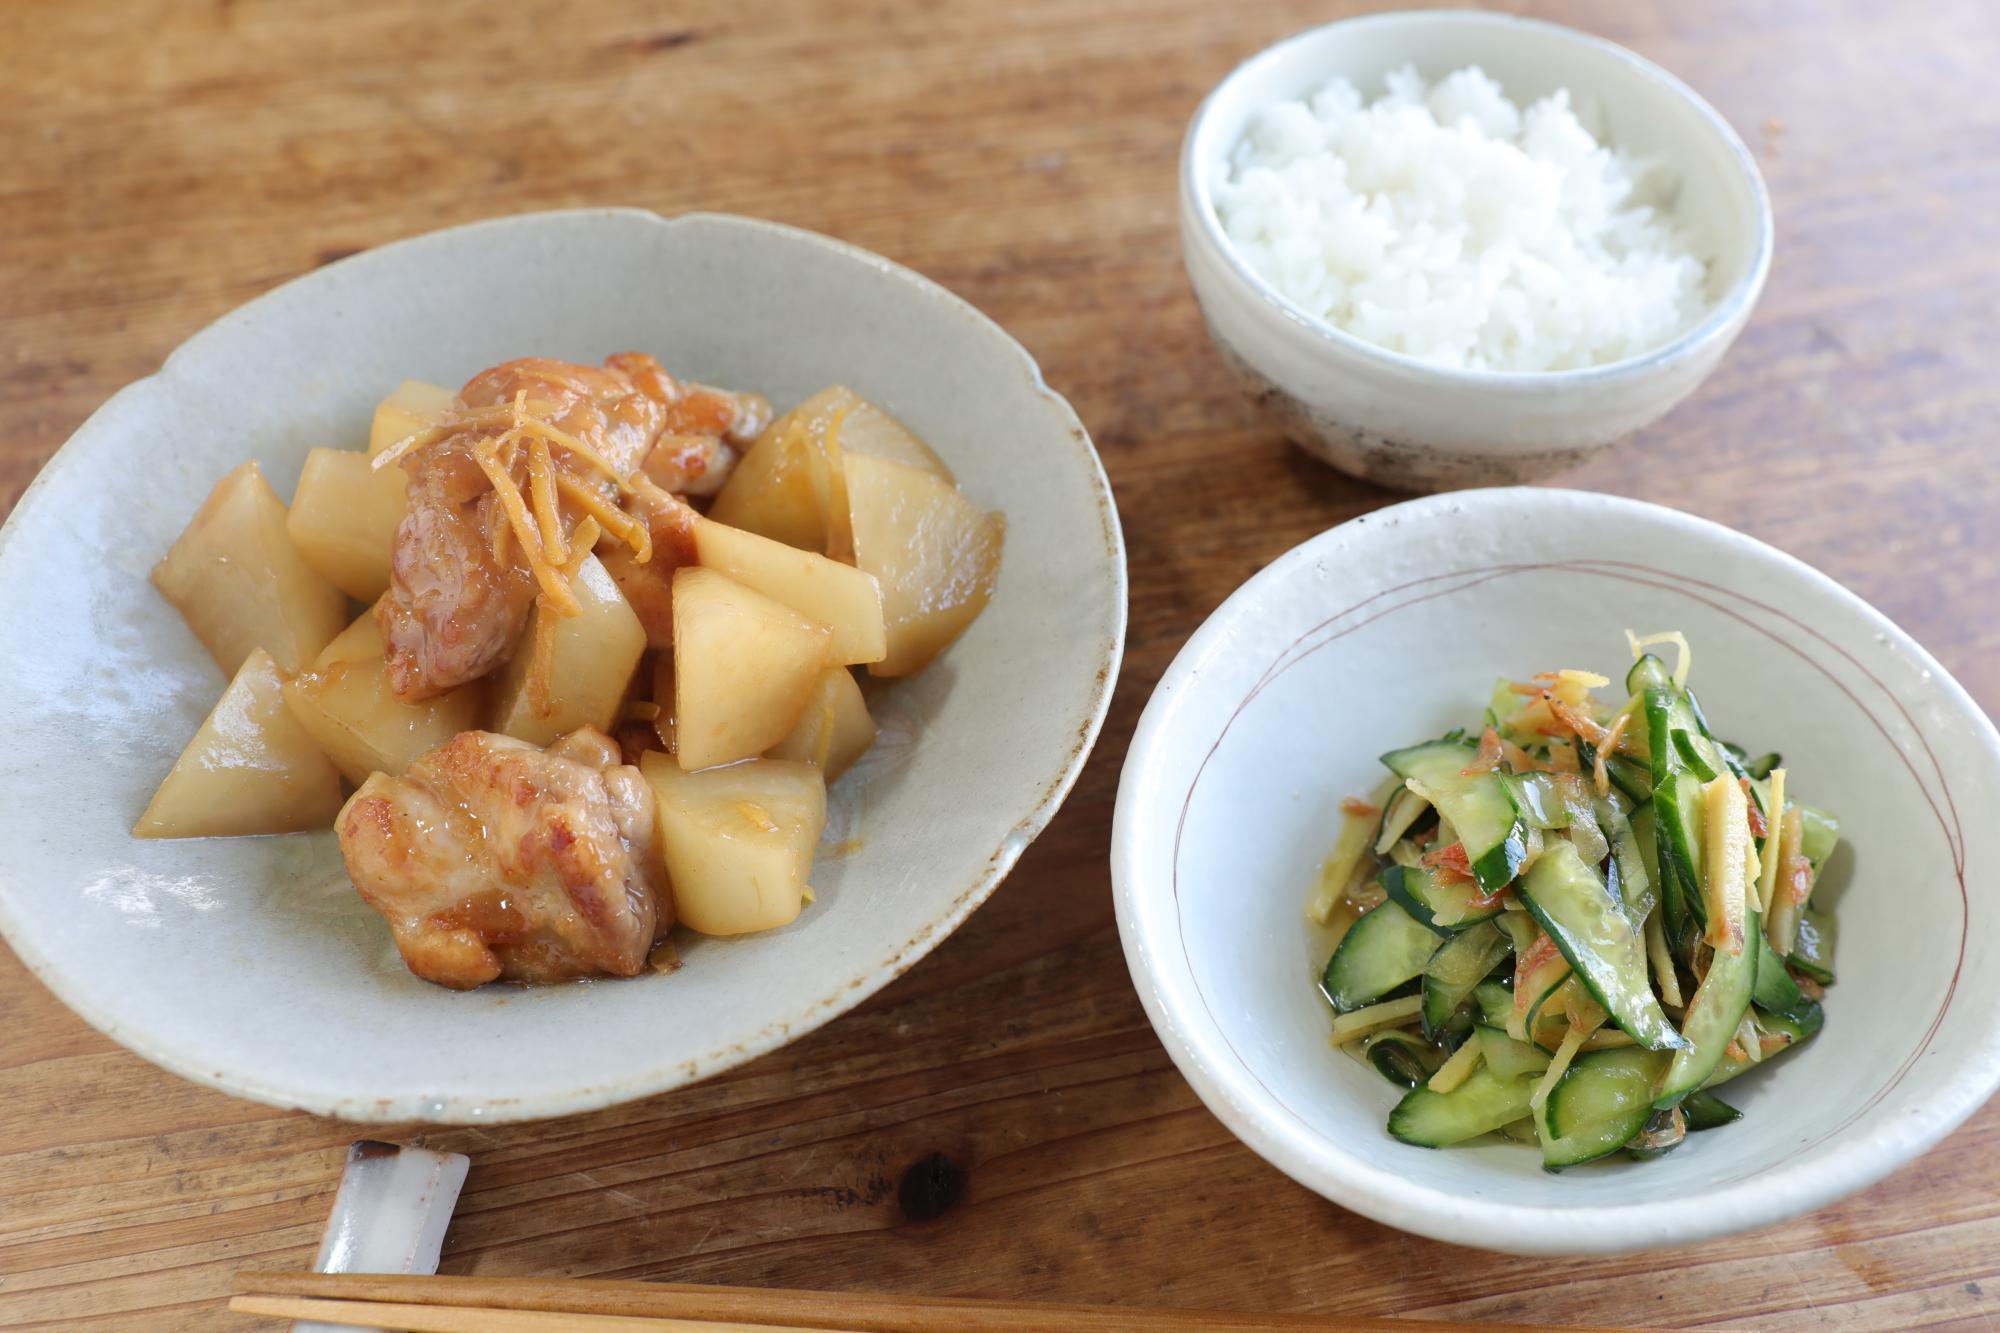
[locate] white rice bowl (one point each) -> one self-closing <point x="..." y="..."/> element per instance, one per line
<point x="1443" y="222"/>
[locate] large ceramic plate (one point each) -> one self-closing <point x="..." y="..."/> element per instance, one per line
<point x="250" y="964"/>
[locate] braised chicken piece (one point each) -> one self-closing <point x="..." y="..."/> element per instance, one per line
<point x="461" y="580"/>
<point x="706" y="431"/>
<point x="455" y="604"/>
<point x="494" y="860"/>
<point x="530" y="449"/>
<point x="649" y="585"/>
<point x="691" y="464"/>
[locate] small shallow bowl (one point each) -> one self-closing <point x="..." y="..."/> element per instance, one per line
<point x="1391" y="628"/>
<point x="1412" y="425"/>
<point x="250" y="964"/>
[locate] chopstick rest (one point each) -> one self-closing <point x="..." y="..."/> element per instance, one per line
<point x="390" y="1213"/>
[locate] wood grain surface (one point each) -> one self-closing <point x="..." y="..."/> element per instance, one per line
<point x="1001" y="1121"/>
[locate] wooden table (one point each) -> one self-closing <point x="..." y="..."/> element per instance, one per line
<point x="165" y="161"/>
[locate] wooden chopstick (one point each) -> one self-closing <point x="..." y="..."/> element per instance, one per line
<point x="669" y="1305"/>
<point x="483" y="1319"/>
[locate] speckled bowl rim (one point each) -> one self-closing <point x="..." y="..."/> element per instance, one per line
<point x="1716" y="327"/>
<point x="805" y="1016"/>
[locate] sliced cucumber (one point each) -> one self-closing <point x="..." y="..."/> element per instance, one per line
<point x="1705" y="1110"/>
<point x="1666" y="1131"/>
<point x="1731" y="1066"/>
<point x="1598" y="938"/>
<point x="1682" y="753"/>
<point x="1401" y="814"/>
<point x="1761" y="766"/>
<point x="1659" y="703"/>
<point x="1380" y="952"/>
<point x="1797" y="1028"/>
<point x="1549" y="1018"/>
<point x="1603" y="1101"/>
<point x="1456" y="1029"/>
<point x="1509" y="1058"/>
<point x="1646" y="834"/>
<point x="1629" y="776"/>
<point x="1713" y="1016"/>
<point x="1397" y="1064"/>
<point x="1477" y="804"/>
<point x="1677" y="805"/>
<point x="1719" y="753"/>
<point x="1675" y="921"/>
<point x="1535" y="987"/>
<point x="1640" y="774"/>
<point x="1520" y="928"/>
<point x="1812" y="949"/>
<point x="1776" y="992"/>
<point x="1667" y="712"/>
<point x="1401" y="1058"/>
<point x="1647" y="673"/>
<point x="1610" y="867"/>
<point x="1585" y="833"/>
<point x="1443" y="906"/>
<point x="1536" y="797"/>
<point x="1480" y="1105"/>
<point x="1819" y="834"/>
<point x="1404" y="884"/>
<point x="1635" y="874"/>
<point x="1406" y="853"/>
<point x="1461" y="963"/>
<point x="1692" y="756"/>
<point x="1793" y="1033"/>
<point x="1495" y="1002"/>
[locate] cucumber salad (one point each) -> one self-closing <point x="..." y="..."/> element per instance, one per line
<point x="1572" y="926"/>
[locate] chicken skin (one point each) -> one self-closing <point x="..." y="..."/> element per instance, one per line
<point x="494" y="860"/>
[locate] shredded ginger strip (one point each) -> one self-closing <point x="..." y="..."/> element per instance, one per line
<point x="581" y="540"/>
<point x="1599" y="774"/>
<point x="454" y="421"/>
<point x="542" y="661"/>
<point x="1390" y="1013"/>
<point x="553" y="585"/>
<point x="1458" y="1068"/>
<point x="1571" y="1043"/>
<point x="613" y="519"/>
<point x="563" y="439"/>
<point x="542" y="490"/>
<point x="1641" y="643"/>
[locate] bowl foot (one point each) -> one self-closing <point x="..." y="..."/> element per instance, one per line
<point x="1394" y="464"/>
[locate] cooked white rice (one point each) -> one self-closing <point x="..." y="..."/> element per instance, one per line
<point x="1446" y="223"/>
